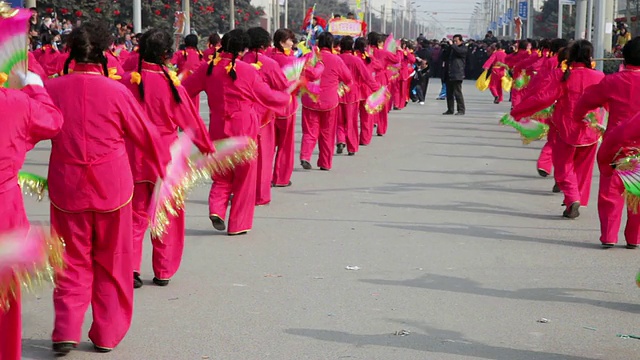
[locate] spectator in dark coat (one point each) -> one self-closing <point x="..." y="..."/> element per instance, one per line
<point x="454" y="74"/>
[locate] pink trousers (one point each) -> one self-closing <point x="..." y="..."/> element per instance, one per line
<point x="495" y="82"/>
<point x="348" y="126"/>
<point x="241" y="182"/>
<point x="285" y="135"/>
<point x="383" y="119"/>
<point x="610" y="205"/>
<point x="574" y="169"/>
<point x="12" y="216"/>
<point x="545" y="160"/>
<point x="516" y="97"/>
<point x="366" y="124"/>
<point x="402" y="92"/>
<point x="167" y="252"/>
<point x="99" y="268"/>
<point x="318" y="127"/>
<point x="266" y="152"/>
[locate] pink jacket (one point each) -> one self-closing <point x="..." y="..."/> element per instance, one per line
<point x="231" y="103"/>
<point x="35" y="67"/>
<point x="373" y="67"/>
<point x="32" y="118"/>
<point x="48" y="59"/>
<point x="614" y="145"/>
<point x="362" y="79"/>
<point x="498" y="57"/>
<point x="167" y="115"/>
<point x="89" y="168"/>
<point x="335" y="71"/>
<point x="283" y="60"/>
<point x="386" y="59"/>
<point x="565" y="94"/>
<point x="188" y="60"/>
<point x="618" y="92"/>
<point x="270" y="72"/>
<point x="131" y="63"/>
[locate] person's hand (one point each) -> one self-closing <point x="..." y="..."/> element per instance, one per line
<point x="18" y="79"/>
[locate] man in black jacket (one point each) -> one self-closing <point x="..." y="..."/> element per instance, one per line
<point x="455" y="56"/>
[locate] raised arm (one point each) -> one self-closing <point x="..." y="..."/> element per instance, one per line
<point x="186" y="117"/>
<point x="545" y="95"/>
<point x="593" y="97"/>
<point x="194" y="83"/>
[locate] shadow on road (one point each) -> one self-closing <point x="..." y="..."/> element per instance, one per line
<point x="433" y="341"/>
<point x="467" y="286"/>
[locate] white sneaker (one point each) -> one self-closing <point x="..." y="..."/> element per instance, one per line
<point x="421" y="102"/>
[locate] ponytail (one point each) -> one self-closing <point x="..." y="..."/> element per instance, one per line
<point x="200" y="55"/>
<point x="232" y="72"/>
<point x="67" y="62"/>
<point x="211" y="64"/>
<point x="567" y="72"/>
<point x="174" y="90"/>
<point x="105" y="67"/>
<point x="140" y="85"/>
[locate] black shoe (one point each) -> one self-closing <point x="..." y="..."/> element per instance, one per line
<point x="351" y="153"/>
<point x="496" y="100"/>
<point x="607" y="246"/>
<point x="160" y="282"/>
<point x="573" y="211"/>
<point x="543" y="173"/>
<point x="340" y="148"/>
<point x="305" y="164"/>
<point x="631" y="246"/>
<point x="379" y="135"/>
<point x="63" y="348"/>
<point x="460" y="113"/>
<point x="239" y="233"/>
<point x="217" y="222"/>
<point x="137" y="282"/>
<point x="447" y="113"/>
<point x="287" y="185"/>
<point x="324" y="169"/>
<point x="556" y="189"/>
<point x="101" y="349"/>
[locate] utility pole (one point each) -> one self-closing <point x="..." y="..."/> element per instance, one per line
<point x="581" y="19"/>
<point x="137" y="15"/>
<point x="599" y="33"/>
<point x="560" y="15"/>
<point x="232" y="17"/>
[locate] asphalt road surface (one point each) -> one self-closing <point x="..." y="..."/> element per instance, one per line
<point x="459" y="243"/>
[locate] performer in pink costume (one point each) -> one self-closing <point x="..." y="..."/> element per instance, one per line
<point x="47" y="55"/>
<point x="347" y="132"/>
<point x="35" y="67"/>
<point x="233" y="88"/>
<point x="189" y="59"/>
<point x="273" y="76"/>
<point x="319" y="118"/>
<point x="285" y="122"/>
<point x="513" y="61"/>
<point x="131" y="63"/>
<point x="407" y="59"/>
<point x="32" y="118"/>
<point x="373" y="67"/>
<point x="212" y="47"/>
<point x="387" y="60"/>
<point x="496" y="65"/>
<point x="618" y="92"/>
<point x="168" y="107"/>
<point x="574" y="149"/>
<point x="90" y="187"/>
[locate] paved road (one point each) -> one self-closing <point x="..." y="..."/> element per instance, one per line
<point x="457" y="239"/>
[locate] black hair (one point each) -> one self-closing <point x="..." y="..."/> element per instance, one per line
<point x="325" y="40"/>
<point x="233" y="42"/>
<point x="580" y="52"/>
<point x="214" y="39"/>
<point x="631" y="52"/>
<point x="361" y="45"/>
<point x="534" y="43"/>
<point x="557" y="45"/>
<point x="47" y="39"/>
<point x="457" y="36"/>
<point x="282" y="35"/>
<point x="522" y="45"/>
<point x="259" y="39"/>
<point x="544" y="44"/>
<point x="346" y="44"/>
<point x="498" y="46"/>
<point x="156" y="46"/>
<point x="337" y="16"/>
<point x="191" y="41"/>
<point x="87" y="44"/>
<point x="374" y="38"/>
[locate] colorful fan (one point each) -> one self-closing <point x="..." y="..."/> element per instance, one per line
<point x="14" y="24"/>
<point x="343" y="89"/>
<point x="544" y="114"/>
<point x="638" y="279"/>
<point x="390" y="44"/>
<point x="184" y="172"/>
<point x="376" y="101"/>
<point x="521" y="81"/>
<point x="595" y="120"/>
<point x="294" y="70"/>
<point x="32" y="184"/>
<point x="628" y="169"/>
<point x="530" y="130"/>
<point x="28" y="257"/>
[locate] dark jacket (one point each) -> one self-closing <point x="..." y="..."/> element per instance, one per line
<point x="456" y="62"/>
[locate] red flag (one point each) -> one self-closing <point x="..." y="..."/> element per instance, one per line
<point x="307" y="19"/>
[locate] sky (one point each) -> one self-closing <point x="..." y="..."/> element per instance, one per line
<point x="453" y="15"/>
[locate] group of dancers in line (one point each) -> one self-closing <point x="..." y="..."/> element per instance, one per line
<point x="111" y="140"/>
<point x="562" y="75"/>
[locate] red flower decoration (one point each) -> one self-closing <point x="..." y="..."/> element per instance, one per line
<point x="116" y="12"/>
<point x="257" y="12"/>
<point x="49" y="10"/>
<point x="201" y="8"/>
<point x="78" y="13"/>
<point x="222" y="17"/>
<point x="237" y="22"/>
<point x="64" y="11"/>
<point x="97" y="10"/>
<point x="167" y="6"/>
<point x="239" y="11"/>
<point x="157" y="12"/>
